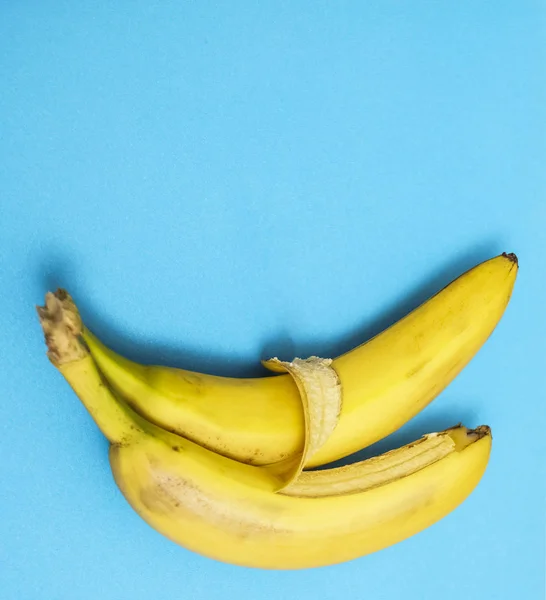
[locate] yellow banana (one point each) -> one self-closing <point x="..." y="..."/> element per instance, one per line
<point x="229" y="511"/>
<point x="385" y="381"/>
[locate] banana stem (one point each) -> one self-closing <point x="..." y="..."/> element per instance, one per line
<point x="62" y="327"/>
<point x="116" y="421"/>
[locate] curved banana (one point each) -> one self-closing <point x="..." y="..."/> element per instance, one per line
<point x="385" y="382"/>
<point x="229" y="511"/>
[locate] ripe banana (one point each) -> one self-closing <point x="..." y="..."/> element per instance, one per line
<point x="385" y="382"/>
<point x="230" y="511"/>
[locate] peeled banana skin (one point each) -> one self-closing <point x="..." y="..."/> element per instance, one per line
<point x="385" y="381"/>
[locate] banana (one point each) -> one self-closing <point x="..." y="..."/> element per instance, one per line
<point x="230" y="511"/>
<point x="385" y="381"/>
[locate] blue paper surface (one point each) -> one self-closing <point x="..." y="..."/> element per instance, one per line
<point x="220" y="182"/>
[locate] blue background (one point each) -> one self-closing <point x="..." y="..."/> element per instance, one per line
<point x="221" y="182"/>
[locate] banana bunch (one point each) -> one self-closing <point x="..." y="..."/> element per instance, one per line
<point x="222" y="466"/>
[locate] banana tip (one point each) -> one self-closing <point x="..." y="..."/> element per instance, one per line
<point x="511" y="257"/>
<point x="481" y="431"/>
